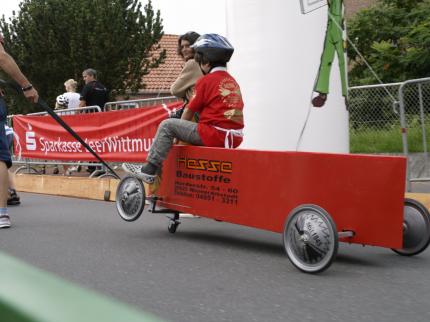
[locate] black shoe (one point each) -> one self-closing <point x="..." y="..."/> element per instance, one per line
<point x="56" y="170"/>
<point x="13" y="199"/>
<point x="147" y="173"/>
<point x="319" y="101"/>
<point x="149" y="169"/>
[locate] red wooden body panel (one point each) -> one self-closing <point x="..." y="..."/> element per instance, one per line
<point x="259" y="189"/>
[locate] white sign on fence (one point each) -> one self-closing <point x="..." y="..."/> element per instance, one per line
<point x="311" y="5"/>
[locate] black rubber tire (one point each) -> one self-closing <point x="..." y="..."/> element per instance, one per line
<point x="416" y="229"/>
<point x="310" y="238"/>
<point x="172" y="227"/>
<point x="130" y="198"/>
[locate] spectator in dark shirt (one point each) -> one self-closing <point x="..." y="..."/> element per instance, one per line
<point x="93" y="93"/>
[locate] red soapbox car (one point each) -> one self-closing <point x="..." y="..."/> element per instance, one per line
<point x="315" y="200"/>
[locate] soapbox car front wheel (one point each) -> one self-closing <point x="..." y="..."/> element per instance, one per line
<point x="172" y="226"/>
<point x="310" y="238"/>
<point x="416" y="229"/>
<point x="130" y="198"/>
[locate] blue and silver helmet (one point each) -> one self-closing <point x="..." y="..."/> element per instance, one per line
<point x="216" y="48"/>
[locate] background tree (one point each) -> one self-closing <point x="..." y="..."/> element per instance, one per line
<point x="54" y="40"/>
<point x="394" y="36"/>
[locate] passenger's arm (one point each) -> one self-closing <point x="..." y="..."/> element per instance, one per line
<point x="187" y="115"/>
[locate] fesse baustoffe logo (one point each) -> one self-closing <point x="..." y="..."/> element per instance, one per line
<point x="208" y="170"/>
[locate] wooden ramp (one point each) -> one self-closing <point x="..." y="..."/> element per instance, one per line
<point x="87" y="188"/>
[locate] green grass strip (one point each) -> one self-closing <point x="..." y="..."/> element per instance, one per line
<point x="28" y="294"/>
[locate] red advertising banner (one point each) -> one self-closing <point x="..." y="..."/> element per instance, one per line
<point x="114" y="136"/>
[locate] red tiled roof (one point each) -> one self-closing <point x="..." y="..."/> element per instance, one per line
<point x="159" y="79"/>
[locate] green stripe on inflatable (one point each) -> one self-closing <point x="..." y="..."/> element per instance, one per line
<point x="28" y="294"/>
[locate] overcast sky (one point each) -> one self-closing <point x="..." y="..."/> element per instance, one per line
<point x="178" y="16"/>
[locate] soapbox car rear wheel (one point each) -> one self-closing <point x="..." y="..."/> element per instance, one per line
<point x="310" y="238"/>
<point x="130" y="198"/>
<point x="416" y="229"/>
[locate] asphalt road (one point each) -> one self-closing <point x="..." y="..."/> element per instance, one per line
<point x="211" y="271"/>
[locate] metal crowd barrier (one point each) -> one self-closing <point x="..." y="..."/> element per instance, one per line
<point x="72" y="111"/>
<point x="395" y="119"/>
<point x="146" y="102"/>
<point x="414" y="106"/>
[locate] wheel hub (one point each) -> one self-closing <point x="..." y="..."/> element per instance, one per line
<point x="310" y="238"/>
<point x="130" y="199"/>
<point x="305" y="238"/>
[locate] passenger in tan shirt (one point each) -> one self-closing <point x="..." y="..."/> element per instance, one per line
<point x="183" y="87"/>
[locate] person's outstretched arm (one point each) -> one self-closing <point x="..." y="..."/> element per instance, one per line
<point x="8" y="64"/>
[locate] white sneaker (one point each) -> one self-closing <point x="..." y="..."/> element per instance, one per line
<point x="4" y="221"/>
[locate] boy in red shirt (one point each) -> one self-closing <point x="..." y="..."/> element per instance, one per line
<point x="218" y="101"/>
